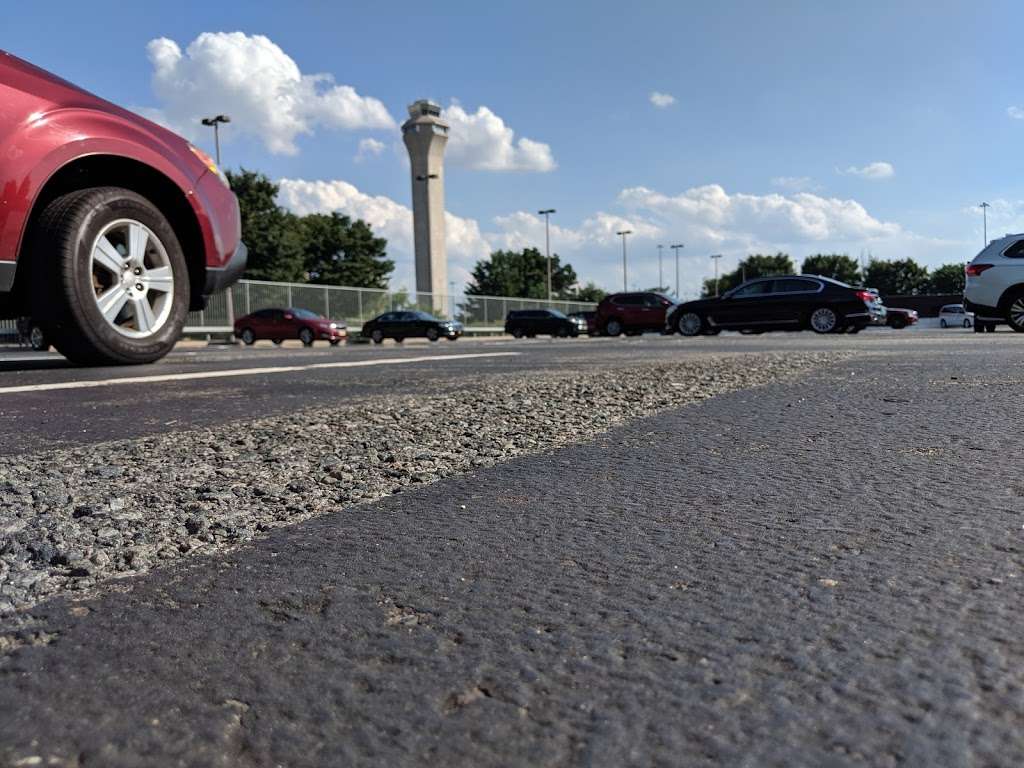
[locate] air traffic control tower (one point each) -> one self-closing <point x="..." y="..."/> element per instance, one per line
<point x="425" y="135"/>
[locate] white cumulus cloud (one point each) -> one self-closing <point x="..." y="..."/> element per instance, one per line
<point x="261" y="88"/>
<point x="662" y="100"/>
<point x="873" y="171"/>
<point x="369" y="148"/>
<point x="796" y="183"/>
<point x="482" y="141"/>
<point x="1015" y="112"/>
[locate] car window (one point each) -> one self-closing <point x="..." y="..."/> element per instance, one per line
<point x="305" y="314"/>
<point x="1015" y="251"/>
<point x="754" y="289"/>
<point x="387" y="317"/>
<point x="652" y="300"/>
<point x="630" y="300"/>
<point x="556" y="313"/>
<point x="264" y="314"/>
<point x="795" y="285"/>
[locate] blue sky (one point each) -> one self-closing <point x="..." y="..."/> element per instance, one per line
<point x="805" y="127"/>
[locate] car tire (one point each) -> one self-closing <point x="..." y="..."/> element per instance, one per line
<point x="613" y="327"/>
<point x="277" y="342"/>
<point x="377" y="336"/>
<point x="517" y="333"/>
<point x="690" y="324"/>
<point x="824" y="320"/>
<point x="453" y="338"/>
<point x="967" y="323"/>
<point x="335" y="342"/>
<point x="37" y="339"/>
<point x="110" y="285"/>
<point x="432" y="334"/>
<point x="399" y="339"/>
<point x="1015" y="311"/>
<point x="943" y="323"/>
<point x="248" y="337"/>
<point x="898" y="324"/>
<point x="307" y="337"/>
<point x="980" y="327"/>
<point x="990" y="327"/>
<point x="563" y="333"/>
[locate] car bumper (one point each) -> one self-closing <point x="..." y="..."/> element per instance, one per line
<point x="984" y="311"/>
<point x="334" y="334"/>
<point x="219" y="278"/>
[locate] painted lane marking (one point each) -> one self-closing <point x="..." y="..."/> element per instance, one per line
<point x="243" y="372"/>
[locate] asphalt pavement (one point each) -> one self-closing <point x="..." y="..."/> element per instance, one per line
<point x="818" y="572"/>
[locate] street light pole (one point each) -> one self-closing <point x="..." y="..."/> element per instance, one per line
<point x="676" y="248"/>
<point x="215" y="122"/>
<point x="715" y="257"/>
<point x="546" y="213"/>
<point x="661" y="281"/>
<point x="984" y="218"/>
<point x="623" y="233"/>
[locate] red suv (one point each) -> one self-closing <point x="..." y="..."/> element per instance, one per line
<point x="632" y="313"/>
<point x="111" y="227"/>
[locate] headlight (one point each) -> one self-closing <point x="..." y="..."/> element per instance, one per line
<point x="334" y="325"/>
<point x="206" y="160"/>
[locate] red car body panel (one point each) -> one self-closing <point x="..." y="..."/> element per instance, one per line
<point x="46" y="123"/>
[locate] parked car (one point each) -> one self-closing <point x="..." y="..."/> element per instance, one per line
<point x="292" y="323"/>
<point x="955" y="316"/>
<point x="590" y="318"/>
<point x="550" y="322"/>
<point x="31" y="333"/>
<point x="409" y="324"/>
<point x="632" y="313"/>
<point x="994" y="289"/>
<point x="788" y="302"/>
<point x="112" y="228"/>
<point x="900" y="318"/>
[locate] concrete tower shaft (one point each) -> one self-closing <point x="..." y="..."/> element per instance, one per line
<point x="425" y="135"/>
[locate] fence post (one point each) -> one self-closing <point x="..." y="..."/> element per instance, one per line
<point x="359" y="303"/>
<point x="327" y="303"/>
<point x="289" y="295"/>
<point x="248" y="303"/>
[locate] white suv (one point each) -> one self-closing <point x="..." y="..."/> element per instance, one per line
<point x="994" y="291"/>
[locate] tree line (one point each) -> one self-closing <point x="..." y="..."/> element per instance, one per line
<point x="895" y="277"/>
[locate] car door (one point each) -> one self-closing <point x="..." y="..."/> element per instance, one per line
<point x="748" y="305"/>
<point x="653" y="312"/>
<point x="793" y="299"/>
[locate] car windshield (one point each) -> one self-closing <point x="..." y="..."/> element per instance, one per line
<point x="423" y="316"/>
<point x="556" y="313"/>
<point x="306" y="314"/>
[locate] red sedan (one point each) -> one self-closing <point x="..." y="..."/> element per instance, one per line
<point x="111" y="227"/>
<point x="294" y="323"/>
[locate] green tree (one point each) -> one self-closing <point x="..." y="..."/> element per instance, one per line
<point x="755" y="265"/>
<point x="271" y="233"/>
<point x="339" y="251"/>
<point x="522" y="274"/>
<point x="588" y="292"/>
<point x="838" y="266"/>
<point x="949" y="278"/>
<point x="898" y="277"/>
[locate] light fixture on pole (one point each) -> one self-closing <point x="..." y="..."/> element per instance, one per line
<point x="984" y="219"/>
<point x="546" y="213"/>
<point x="215" y="123"/>
<point x="715" y="257"/>
<point x="623" y="233"/>
<point x="676" y="248"/>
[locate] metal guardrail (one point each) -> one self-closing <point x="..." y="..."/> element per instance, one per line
<point x="357" y="305"/>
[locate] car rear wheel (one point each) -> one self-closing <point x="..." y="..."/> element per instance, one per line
<point x="432" y="334"/>
<point x="248" y="337"/>
<point x="37" y="339"/>
<point x="943" y="323"/>
<point x="562" y="333"/>
<point x="517" y="333"/>
<point x="967" y="323"/>
<point x="110" y="284"/>
<point x="613" y="327"/>
<point x="306" y="336"/>
<point x="824" y="320"/>
<point x="990" y="327"/>
<point x="377" y="336"/>
<point x="898" y="324"/>
<point x="335" y="342"/>
<point x="1015" y="311"/>
<point x="277" y="342"/>
<point x="690" y="324"/>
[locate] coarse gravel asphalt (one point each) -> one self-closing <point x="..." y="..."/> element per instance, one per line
<point x="819" y="571"/>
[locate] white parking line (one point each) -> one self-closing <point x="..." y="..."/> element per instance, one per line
<point x="244" y="372"/>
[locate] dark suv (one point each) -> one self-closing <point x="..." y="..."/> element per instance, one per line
<point x="632" y="313"/>
<point x="531" y="322"/>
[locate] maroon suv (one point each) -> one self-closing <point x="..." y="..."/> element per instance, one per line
<point x="293" y="323"/>
<point x="111" y="227"/>
<point x="632" y="313"/>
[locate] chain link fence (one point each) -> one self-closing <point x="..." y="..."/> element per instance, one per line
<point x="357" y="305"/>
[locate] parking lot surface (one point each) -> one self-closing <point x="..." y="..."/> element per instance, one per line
<point x="816" y="568"/>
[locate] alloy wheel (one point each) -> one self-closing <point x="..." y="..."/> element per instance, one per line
<point x="690" y="324"/>
<point x="132" y="278"/>
<point x="824" y="320"/>
<point x="1016" y="313"/>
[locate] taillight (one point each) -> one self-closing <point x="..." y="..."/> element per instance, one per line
<point x="866" y="296"/>
<point x="973" y="270"/>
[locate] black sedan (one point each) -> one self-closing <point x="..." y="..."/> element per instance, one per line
<point x="407" y="324"/>
<point x="782" y="303"/>
<point x="531" y="322"/>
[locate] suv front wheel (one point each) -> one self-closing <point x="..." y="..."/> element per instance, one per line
<point x="1015" y="311"/>
<point x="110" y="284"/>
